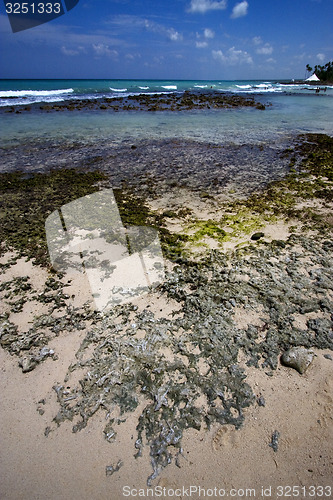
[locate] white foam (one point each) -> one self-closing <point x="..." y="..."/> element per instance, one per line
<point x="34" y="93"/>
<point x="29" y="100"/>
<point x="169" y="87"/>
<point x="144" y="88"/>
<point x="118" y="90"/>
<point x="264" y="86"/>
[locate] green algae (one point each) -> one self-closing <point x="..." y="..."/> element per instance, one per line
<point x="27" y="200"/>
<point x="310" y="178"/>
<point x="208" y="228"/>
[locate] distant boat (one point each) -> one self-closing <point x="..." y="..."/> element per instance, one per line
<point x="313" y="78"/>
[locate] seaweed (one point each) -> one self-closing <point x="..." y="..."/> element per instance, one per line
<point x="26" y="201"/>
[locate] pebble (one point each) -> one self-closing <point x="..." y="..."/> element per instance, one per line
<point x="275" y="441"/>
<point x="261" y="401"/>
<point x="28" y="363"/>
<point x="257" y="236"/>
<point x="298" y="358"/>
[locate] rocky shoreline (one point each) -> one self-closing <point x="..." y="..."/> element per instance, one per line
<point x="143" y="102"/>
<point x="247" y="280"/>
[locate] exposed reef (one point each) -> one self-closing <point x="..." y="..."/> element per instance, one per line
<point x="143" y="102"/>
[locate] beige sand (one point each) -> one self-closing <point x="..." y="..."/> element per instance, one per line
<point x="72" y="466"/>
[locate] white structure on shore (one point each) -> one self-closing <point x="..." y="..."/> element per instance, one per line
<point x="313" y="78"/>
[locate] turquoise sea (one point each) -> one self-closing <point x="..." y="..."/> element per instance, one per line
<point x="293" y="108"/>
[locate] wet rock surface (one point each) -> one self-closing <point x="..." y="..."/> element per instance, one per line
<point x="152" y="167"/>
<point x="143" y="102"/>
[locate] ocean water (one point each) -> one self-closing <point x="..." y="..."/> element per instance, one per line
<point x="292" y="109"/>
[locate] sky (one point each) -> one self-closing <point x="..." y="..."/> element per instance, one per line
<point x="173" y="39"/>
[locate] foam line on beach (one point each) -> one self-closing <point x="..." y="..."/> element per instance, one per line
<point x="34" y="93"/>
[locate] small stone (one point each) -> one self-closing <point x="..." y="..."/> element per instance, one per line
<point x="111" y="469"/>
<point x="261" y="401"/>
<point x="45" y="351"/>
<point x="28" y="364"/>
<point x="328" y="356"/>
<point x="275" y="441"/>
<point x="257" y="236"/>
<point x="298" y="358"/>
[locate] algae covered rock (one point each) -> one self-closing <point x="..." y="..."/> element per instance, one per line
<point x="298" y="358"/>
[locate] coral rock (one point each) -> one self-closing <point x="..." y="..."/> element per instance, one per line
<point x="298" y="358"/>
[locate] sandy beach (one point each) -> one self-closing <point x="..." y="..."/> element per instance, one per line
<point x="166" y="250"/>
<point x="67" y="465"/>
<point x="188" y="377"/>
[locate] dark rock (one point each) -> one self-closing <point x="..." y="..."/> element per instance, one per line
<point x="261" y="401"/>
<point x="275" y="441"/>
<point x="257" y="236"/>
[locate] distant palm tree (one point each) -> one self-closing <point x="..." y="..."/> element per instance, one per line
<point x="308" y="68"/>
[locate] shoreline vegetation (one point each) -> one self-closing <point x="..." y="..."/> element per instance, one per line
<point x="248" y="287"/>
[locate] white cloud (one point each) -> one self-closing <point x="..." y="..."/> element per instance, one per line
<point x="321" y="57"/>
<point x="209" y="33"/>
<point x="240" y="10"/>
<point x="201" y="45"/>
<point x="130" y="23"/>
<point x="69" y="52"/>
<point x="267" y="49"/>
<point x="271" y="60"/>
<point x="203" y="6"/>
<point x="257" y="40"/>
<point x="232" y="56"/>
<point x="101" y="49"/>
<point x="170" y="33"/>
<point x="133" y="57"/>
<point x="173" y="35"/>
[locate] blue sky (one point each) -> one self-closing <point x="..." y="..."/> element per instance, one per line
<point x="173" y="39"/>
